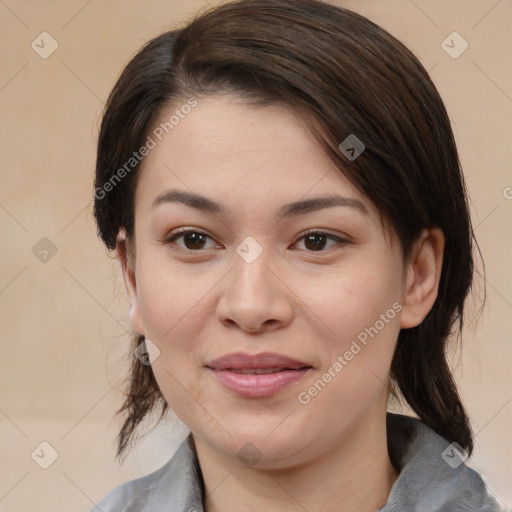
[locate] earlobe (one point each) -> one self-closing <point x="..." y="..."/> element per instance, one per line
<point x="130" y="283"/>
<point x="423" y="273"/>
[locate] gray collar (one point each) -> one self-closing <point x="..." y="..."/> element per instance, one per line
<point x="432" y="478"/>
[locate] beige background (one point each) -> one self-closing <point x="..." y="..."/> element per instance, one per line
<point x="64" y="321"/>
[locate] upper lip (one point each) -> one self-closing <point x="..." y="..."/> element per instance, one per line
<point x="242" y="361"/>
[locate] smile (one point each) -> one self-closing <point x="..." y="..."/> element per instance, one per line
<point x="258" y="383"/>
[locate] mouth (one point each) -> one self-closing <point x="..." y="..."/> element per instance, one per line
<point x="270" y="362"/>
<point x="262" y="371"/>
<point x="257" y="376"/>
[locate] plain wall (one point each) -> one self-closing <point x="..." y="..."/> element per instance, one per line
<point x="65" y="329"/>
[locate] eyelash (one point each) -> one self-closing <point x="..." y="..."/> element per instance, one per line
<point x="182" y="232"/>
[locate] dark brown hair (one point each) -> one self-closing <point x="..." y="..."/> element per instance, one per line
<point x="346" y="75"/>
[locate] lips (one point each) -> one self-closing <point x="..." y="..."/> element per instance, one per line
<point x="257" y="376"/>
<point x="257" y="371"/>
<point x="262" y="361"/>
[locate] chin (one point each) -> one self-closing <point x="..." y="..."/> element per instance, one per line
<point x="266" y="448"/>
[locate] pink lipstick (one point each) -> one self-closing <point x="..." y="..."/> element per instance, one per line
<point x="257" y="376"/>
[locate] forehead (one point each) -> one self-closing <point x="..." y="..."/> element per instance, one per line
<point x="239" y="153"/>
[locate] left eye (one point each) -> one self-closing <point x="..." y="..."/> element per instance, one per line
<point x="315" y="241"/>
<point x="193" y="240"/>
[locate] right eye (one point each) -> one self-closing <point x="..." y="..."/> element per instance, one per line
<point x="193" y="239"/>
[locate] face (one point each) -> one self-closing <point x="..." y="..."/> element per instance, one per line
<point x="262" y="269"/>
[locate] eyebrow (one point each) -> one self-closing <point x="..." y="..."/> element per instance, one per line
<point x="288" y="210"/>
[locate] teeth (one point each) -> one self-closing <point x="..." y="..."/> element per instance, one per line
<point x="257" y="371"/>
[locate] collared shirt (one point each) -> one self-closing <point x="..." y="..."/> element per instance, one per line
<point x="432" y="478"/>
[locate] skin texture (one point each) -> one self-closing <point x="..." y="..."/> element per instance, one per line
<point x="197" y="301"/>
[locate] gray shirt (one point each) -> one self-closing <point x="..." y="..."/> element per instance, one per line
<point x="432" y="478"/>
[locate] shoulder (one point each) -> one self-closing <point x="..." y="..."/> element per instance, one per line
<point x="433" y="474"/>
<point x="133" y="495"/>
<point x="175" y="487"/>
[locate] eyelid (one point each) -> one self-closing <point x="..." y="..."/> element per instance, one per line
<point x="341" y="240"/>
<point x="184" y="231"/>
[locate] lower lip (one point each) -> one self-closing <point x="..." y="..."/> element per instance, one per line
<point x="258" y="386"/>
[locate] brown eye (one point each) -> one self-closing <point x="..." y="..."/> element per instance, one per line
<point x="316" y="241"/>
<point x="193" y="240"/>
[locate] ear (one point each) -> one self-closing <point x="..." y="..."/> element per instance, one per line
<point x="423" y="272"/>
<point x="126" y="260"/>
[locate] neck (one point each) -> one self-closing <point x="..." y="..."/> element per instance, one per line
<point x="355" y="474"/>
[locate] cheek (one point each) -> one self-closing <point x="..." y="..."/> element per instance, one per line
<point x="170" y="296"/>
<point x="352" y="300"/>
<point x="173" y="314"/>
<point x="361" y="308"/>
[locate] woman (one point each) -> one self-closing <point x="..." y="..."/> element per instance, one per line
<point x="282" y="188"/>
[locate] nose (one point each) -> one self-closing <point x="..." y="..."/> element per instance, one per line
<point x="254" y="298"/>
